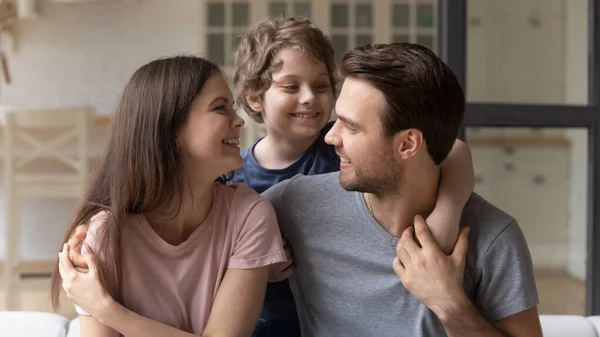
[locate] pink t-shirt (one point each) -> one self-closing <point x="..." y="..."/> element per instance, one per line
<point x="176" y="285"/>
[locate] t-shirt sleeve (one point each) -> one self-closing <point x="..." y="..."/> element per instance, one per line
<point x="507" y="282"/>
<point x="259" y="241"/>
<point x="96" y="222"/>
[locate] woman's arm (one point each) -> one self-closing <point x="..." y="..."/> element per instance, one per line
<point x="90" y="327"/>
<point x="457" y="182"/>
<point x="239" y="299"/>
<point x="234" y="313"/>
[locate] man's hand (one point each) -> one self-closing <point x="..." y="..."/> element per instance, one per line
<point x="283" y="270"/>
<point x="75" y="241"/>
<point x="434" y="278"/>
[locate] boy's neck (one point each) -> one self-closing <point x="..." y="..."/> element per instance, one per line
<point x="274" y="153"/>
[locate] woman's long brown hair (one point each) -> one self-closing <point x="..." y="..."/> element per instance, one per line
<point x="142" y="169"/>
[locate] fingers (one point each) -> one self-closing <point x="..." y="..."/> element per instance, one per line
<point x="287" y="272"/>
<point x="408" y="243"/>
<point x="66" y="269"/>
<point x="423" y="233"/>
<point x="403" y="255"/>
<point x="399" y="269"/>
<point x="89" y="259"/>
<point x="78" y="260"/>
<point x="460" y="249"/>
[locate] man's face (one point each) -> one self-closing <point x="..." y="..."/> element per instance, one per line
<point x="367" y="159"/>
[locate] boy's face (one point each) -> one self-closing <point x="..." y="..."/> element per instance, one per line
<point x="299" y="101"/>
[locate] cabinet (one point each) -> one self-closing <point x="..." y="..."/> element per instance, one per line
<point x="516" y="51"/>
<point x="531" y="183"/>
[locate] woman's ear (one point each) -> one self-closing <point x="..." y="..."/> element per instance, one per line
<point x="408" y="143"/>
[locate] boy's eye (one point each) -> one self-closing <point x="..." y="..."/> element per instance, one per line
<point x="290" y="87"/>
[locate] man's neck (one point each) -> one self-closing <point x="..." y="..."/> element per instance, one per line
<point x="274" y="152"/>
<point x="396" y="211"/>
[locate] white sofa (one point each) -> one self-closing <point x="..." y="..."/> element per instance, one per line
<point x="43" y="324"/>
<point x="36" y="324"/>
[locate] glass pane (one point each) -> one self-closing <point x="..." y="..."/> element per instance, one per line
<point x="234" y="42"/>
<point x="241" y="14"/>
<point x="216" y="48"/>
<point x="426" y="41"/>
<point x="400" y="15"/>
<point x="302" y="8"/>
<point x="340" y="44"/>
<point x="339" y="15"/>
<point x="216" y="14"/>
<point x="364" y="16"/>
<point x="400" y="38"/>
<point x="527" y="52"/>
<point x="277" y="8"/>
<point x="425" y="16"/>
<point x="362" y="40"/>
<point x="539" y="176"/>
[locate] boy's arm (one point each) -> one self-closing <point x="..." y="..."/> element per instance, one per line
<point x="457" y="182"/>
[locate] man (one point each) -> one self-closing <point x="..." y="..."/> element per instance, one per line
<point x="399" y="112"/>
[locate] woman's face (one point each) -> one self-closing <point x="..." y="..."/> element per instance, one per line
<point x="210" y="137"/>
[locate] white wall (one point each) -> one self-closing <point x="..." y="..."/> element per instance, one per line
<point x="83" y="54"/>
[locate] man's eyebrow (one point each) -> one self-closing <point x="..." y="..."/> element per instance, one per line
<point x="350" y="122"/>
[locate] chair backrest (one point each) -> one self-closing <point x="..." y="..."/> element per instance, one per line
<point x="25" y="126"/>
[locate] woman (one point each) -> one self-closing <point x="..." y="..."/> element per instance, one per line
<point x="171" y="250"/>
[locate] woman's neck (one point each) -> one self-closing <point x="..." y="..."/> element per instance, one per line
<point x="195" y="207"/>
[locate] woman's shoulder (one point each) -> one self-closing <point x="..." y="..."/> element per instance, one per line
<point x="240" y="198"/>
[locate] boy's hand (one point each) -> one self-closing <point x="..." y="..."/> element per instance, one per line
<point x="75" y="241"/>
<point x="283" y="270"/>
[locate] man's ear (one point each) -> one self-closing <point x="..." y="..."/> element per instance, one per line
<point x="255" y="102"/>
<point x="408" y="143"/>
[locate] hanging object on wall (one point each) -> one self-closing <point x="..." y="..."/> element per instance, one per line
<point x="27" y="9"/>
<point x="8" y="18"/>
<point x="5" y="71"/>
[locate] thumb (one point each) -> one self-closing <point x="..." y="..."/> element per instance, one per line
<point x="459" y="255"/>
<point x="89" y="259"/>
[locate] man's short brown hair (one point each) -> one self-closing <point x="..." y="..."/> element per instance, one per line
<point x="254" y="58"/>
<point x="419" y="89"/>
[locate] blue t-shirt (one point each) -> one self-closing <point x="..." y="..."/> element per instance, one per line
<point x="319" y="158"/>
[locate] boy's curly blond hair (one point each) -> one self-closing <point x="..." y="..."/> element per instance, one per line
<point x="254" y="57"/>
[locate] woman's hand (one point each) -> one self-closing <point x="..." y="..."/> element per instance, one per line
<point x="84" y="289"/>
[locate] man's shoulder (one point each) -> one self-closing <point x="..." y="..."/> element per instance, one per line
<point x="314" y="183"/>
<point x="301" y="187"/>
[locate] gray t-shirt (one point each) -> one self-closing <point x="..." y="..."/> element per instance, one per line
<point x="344" y="284"/>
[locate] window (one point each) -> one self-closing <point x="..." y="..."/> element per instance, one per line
<point x="290" y="8"/>
<point x="352" y="25"/>
<point x="226" y="21"/>
<point x="413" y="21"/>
